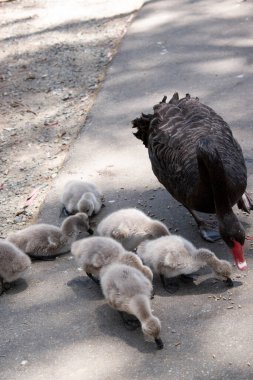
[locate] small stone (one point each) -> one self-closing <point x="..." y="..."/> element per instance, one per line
<point x="65" y="97"/>
<point x="24" y="362"/>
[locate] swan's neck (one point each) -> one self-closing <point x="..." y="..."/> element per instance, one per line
<point x="211" y="170"/>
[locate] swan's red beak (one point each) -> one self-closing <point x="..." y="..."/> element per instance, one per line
<point x="238" y="254"/>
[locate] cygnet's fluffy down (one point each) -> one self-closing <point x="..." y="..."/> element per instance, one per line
<point x="13" y="263"/>
<point x="130" y="227"/>
<point x="173" y="255"/>
<point x="45" y="241"/>
<point x="79" y="196"/>
<point x="94" y="253"/>
<point x="126" y="289"/>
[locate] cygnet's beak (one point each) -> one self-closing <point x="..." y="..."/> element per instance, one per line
<point x="229" y="282"/>
<point x="238" y="254"/>
<point x="159" y="343"/>
<point x="90" y="231"/>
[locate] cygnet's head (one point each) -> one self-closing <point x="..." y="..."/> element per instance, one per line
<point x="158" y="229"/>
<point x="152" y="327"/>
<point x="86" y="204"/>
<point x="82" y="222"/>
<point x="223" y="270"/>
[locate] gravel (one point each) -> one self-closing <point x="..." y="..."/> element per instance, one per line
<point x="54" y="57"/>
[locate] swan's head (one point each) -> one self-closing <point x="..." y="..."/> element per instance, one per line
<point x="152" y="328"/>
<point x="232" y="232"/>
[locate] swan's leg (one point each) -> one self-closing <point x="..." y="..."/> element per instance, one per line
<point x="170" y="287"/>
<point x="96" y="280"/>
<point x="130" y="323"/>
<point x="208" y="229"/>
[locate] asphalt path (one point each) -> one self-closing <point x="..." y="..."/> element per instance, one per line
<point x="55" y="323"/>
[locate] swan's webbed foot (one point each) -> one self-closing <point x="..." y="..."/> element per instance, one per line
<point x="131" y="323"/>
<point x="96" y="280"/>
<point x="170" y="287"/>
<point x="208" y="231"/>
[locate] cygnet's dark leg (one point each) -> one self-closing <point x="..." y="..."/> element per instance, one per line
<point x="64" y="212"/>
<point x="131" y="323"/>
<point x="170" y="287"/>
<point x="229" y="282"/>
<point x="187" y="279"/>
<point x="42" y="258"/>
<point x="208" y="229"/>
<point x="6" y="285"/>
<point x="96" y="280"/>
<point x="159" y="343"/>
<point x="1" y="286"/>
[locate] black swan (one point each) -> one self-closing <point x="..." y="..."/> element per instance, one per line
<point x="194" y="155"/>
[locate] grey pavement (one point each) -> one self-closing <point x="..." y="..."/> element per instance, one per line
<point x="55" y="324"/>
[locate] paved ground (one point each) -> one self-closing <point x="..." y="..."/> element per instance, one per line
<point x="56" y="323"/>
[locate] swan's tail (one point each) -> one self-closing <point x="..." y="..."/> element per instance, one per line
<point x="142" y="124"/>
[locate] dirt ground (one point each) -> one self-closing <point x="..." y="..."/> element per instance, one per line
<point x="54" y="56"/>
